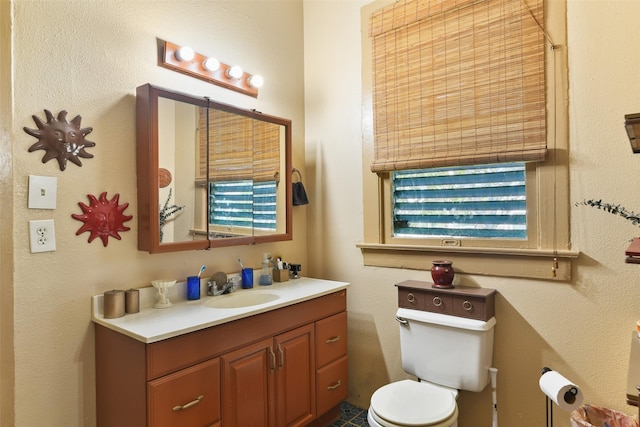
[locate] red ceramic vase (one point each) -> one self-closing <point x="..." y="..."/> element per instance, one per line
<point x="442" y="274"/>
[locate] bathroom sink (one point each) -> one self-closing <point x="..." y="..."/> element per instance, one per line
<point x="241" y="299"/>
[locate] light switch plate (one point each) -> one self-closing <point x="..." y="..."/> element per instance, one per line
<point x="42" y="192"/>
<point x="42" y="236"/>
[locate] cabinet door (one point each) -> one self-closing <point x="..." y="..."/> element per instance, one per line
<point x="295" y="377"/>
<point x="248" y="385"/>
<point x="190" y="397"/>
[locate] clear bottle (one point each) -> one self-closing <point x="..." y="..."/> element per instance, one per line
<point x="265" y="273"/>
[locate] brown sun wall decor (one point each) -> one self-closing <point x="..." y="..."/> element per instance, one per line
<point x="61" y="139"/>
<point x="103" y="217"/>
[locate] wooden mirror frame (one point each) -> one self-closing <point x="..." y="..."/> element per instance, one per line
<point x="147" y="162"/>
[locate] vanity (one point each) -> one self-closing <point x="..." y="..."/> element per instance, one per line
<point x="242" y="359"/>
<point x="213" y="175"/>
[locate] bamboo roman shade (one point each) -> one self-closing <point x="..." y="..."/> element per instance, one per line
<point x="240" y="147"/>
<point x="458" y="82"/>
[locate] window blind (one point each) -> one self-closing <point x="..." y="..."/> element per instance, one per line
<point x="240" y="148"/>
<point x="486" y="201"/>
<point x="244" y="204"/>
<point x="458" y="82"/>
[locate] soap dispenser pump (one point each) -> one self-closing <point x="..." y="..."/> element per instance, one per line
<point x="265" y="274"/>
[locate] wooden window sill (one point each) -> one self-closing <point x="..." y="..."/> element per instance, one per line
<point x="504" y="262"/>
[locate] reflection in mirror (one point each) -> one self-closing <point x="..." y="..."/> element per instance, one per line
<point x="178" y="133"/>
<point x="228" y="173"/>
<point x="244" y="171"/>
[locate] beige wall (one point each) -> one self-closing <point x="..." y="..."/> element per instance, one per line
<point x="6" y="218"/>
<point x="581" y="328"/>
<point x="87" y="57"/>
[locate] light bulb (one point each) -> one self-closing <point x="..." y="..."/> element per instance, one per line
<point x="211" y="64"/>
<point x="256" y="81"/>
<point x="185" y="53"/>
<point x="235" y="72"/>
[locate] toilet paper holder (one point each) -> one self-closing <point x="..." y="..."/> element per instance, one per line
<point x="569" y="396"/>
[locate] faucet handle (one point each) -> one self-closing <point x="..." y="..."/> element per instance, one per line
<point x="212" y="288"/>
<point x="228" y="287"/>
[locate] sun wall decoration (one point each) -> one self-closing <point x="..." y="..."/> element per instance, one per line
<point x="102" y="218"/>
<point x="61" y="139"/>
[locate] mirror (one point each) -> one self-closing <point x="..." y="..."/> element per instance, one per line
<point x="209" y="174"/>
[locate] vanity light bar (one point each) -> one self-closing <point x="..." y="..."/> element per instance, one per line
<point x="209" y="69"/>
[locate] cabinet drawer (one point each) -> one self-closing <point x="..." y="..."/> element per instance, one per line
<point x="332" y="384"/>
<point x="190" y="397"/>
<point x="331" y="338"/>
<point x="470" y="307"/>
<point x="408" y="298"/>
<point x="437" y="302"/>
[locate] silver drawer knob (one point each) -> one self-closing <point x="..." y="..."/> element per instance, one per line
<point x="437" y="301"/>
<point x="411" y="298"/>
<point x="467" y="305"/>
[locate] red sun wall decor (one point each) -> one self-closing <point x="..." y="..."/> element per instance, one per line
<point x="102" y="218"/>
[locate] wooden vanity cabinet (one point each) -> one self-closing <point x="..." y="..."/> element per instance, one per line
<point x="272" y="382"/>
<point x="285" y="367"/>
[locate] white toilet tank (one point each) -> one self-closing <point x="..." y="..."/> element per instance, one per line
<point x="451" y="351"/>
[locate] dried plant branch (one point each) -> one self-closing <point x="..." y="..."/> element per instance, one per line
<point x="167" y="212"/>
<point x="613" y="209"/>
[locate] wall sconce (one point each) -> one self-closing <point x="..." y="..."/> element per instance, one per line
<point x="184" y="60"/>
<point x="632" y="125"/>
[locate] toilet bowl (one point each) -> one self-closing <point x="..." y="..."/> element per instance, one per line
<point x="409" y="403"/>
<point x="447" y="353"/>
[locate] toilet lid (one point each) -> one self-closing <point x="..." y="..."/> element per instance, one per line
<point x="413" y="403"/>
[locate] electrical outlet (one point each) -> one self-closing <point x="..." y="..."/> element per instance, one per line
<point x="42" y="236"/>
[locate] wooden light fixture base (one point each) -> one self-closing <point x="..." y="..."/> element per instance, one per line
<point x="194" y="68"/>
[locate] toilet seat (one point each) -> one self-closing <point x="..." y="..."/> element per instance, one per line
<point x="409" y="403"/>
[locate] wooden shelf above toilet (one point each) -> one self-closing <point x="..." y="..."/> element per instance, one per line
<point x="471" y="303"/>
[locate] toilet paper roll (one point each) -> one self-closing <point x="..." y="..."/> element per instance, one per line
<point x="563" y="392"/>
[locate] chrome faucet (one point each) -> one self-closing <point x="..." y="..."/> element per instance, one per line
<point x="214" y="288"/>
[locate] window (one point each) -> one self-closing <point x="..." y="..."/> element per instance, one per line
<point x="243" y="204"/>
<point x="455" y="89"/>
<point x="486" y="201"/>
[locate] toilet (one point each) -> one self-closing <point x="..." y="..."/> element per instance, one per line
<point x="446" y="353"/>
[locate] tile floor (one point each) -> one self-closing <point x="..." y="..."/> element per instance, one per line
<point x="351" y="416"/>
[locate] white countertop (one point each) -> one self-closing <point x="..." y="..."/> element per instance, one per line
<point x="155" y="324"/>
